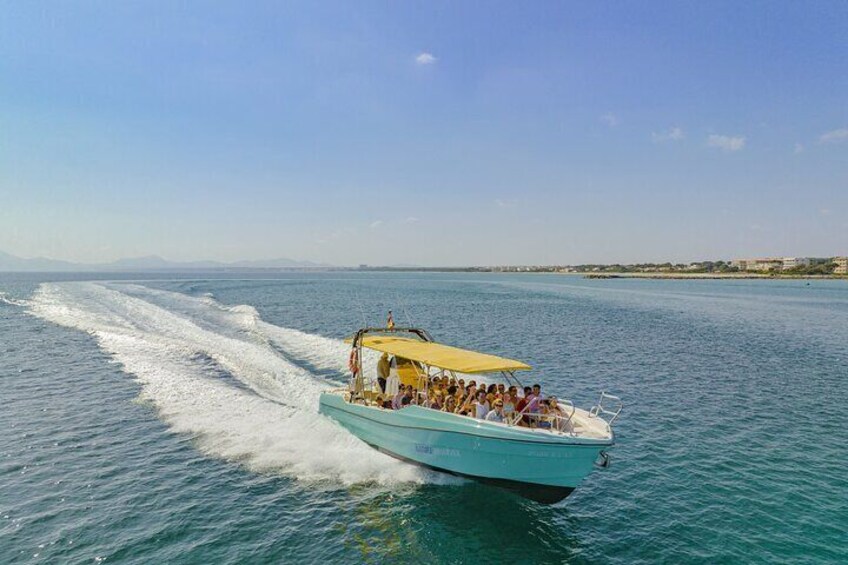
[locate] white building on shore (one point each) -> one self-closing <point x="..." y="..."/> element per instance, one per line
<point x="765" y="264"/>
<point x="792" y="262"/>
<point x="788" y="263"/>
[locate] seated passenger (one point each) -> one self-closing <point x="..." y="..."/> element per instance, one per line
<point x="436" y="401"/>
<point x="405" y="401"/>
<point x="537" y="397"/>
<point x="544" y="419"/>
<point x="397" y="401"/>
<point x="508" y="405"/>
<point x="481" y="406"/>
<point x="450" y="405"/>
<point x="497" y="413"/>
<point x="466" y="407"/>
<point x="522" y="404"/>
<point x="558" y="415"/>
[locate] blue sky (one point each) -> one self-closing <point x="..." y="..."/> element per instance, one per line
<point x="433" y="133"/>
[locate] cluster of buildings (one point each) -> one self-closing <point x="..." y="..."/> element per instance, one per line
<point x="789" y="263"/>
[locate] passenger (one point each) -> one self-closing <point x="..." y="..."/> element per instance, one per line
<point x="493" y="389"/>
<point x="537" y="397"/>
<point x="465" y="406"/>
<point x="497" y="413"/>
<point x="393" y="385"/>
<point x="405" y="401"/>
<point x="522" y="407"/>
<point x="450" y="405"/>
<point x="405" y="392"/>
<point x="522" y="404"/>
<point x="481" y="406"/>
<point x="383" y="369"/>
<point x="397" y="398"/>
<point x="501" y="388"/>
<point x="513" y="392"/>
<point x="544" y="418"/>
<point x="508" y="405"/>
<point x="436" y="402"/>
<point x="557" y="414"/>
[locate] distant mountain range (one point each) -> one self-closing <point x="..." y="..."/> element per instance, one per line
<point x="151" y="263"/>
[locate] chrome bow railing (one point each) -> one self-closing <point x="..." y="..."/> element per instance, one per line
<point x="600" y="410"/>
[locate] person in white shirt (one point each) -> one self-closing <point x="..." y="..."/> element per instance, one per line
<point x="497" y="413"/>
<point x="481" y="405"/>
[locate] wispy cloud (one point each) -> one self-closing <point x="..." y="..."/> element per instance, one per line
<point x="376" y="224"/>
<point x="411" y="220"/>
<point x="505" y="202"/>
<point x="799" y="148"/>
<point x="610" y="119"/>
<point x="834" y="136"/>
<point x="673" y="134"/>
<point x="425" y="58"/>
<point x="727" y="142"/>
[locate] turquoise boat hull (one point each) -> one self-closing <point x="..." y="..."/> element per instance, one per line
<point x="537" y="464"/>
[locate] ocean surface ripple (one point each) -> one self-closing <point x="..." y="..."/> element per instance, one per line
<point x="175" y="420"/>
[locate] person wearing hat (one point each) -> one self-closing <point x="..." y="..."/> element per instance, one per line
<point x="496" y="414"/>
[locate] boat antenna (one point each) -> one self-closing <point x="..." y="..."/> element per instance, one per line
<point x="405" y="312"/>
<point x="361" y="311"/>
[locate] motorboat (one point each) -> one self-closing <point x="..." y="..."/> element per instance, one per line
<point x="542" y="451"/>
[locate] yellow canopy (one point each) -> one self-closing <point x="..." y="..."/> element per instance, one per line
<point x="441" y="356"/>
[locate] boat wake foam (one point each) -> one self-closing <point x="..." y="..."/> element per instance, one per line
<point x="227" y="378"/>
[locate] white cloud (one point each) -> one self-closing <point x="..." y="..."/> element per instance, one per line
<point x="799" y="148"/>
<point x="425" y="58"/>
<point x="505" y="203"/>
<point x="411" y="220"/>
<point x="610" y="119"/>
<point x="834" y="136"/>
<point x="825" y="212"/>
<point x="726" y="142"/>
<point x="376" y="224"/>
<point x="673" y="134"/>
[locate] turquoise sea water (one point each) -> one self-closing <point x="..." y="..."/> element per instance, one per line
<point x="175" y="421"/>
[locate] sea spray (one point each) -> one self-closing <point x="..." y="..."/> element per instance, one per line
<point x="254" y="406"/>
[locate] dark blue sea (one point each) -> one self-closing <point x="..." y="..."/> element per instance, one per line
<point x="174" y="420"/>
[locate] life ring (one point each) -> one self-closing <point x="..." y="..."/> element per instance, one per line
<point x="353" y="362"/>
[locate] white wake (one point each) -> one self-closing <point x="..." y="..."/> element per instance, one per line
<point x="224" y="376"/>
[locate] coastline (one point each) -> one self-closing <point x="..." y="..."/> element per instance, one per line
<point x="703" y="276"/>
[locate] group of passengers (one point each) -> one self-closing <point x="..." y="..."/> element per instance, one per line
<point x="493" y="402"/>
